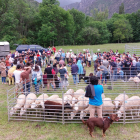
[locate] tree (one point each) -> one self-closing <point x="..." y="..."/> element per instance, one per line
<point x="121" y="9"/>
<point x="79" y="19"/>
<point x="90" y="35"/>
<point x="122" y="30"/>
<point x="99" y="15"/>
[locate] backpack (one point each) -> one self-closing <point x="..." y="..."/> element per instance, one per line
<point x="53" y="72"/>
<point x="38" y="76"/>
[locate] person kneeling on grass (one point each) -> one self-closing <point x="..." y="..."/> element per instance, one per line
<point x="94" y="92"/>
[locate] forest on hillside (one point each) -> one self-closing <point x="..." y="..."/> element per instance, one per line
<point x="47" y="24"/>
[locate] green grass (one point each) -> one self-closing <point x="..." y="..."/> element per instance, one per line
<point x="24" y="130"/>
<point x="103" y="47"/>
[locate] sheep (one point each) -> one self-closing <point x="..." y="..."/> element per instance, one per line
<point x="68" y="99"/>
<point x="51" y="106"/>
<point x="37" y="102"/>
<point x="81" y="105"/>
<point x="130" y="104"/>
<point x="107" y="108"/>
<point x="103" y="96"/>
<point x="78" y="93"/>
<point x="20" y="103"/>
<point x="70" y="92"/>
<point x="119" y="100"/>
<point x="29" y="100"/>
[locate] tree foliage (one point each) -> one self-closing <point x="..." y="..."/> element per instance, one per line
<point x="47" y="24"/>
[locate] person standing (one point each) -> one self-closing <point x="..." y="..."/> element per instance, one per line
<point x="3" y="72"/>
<point x="54" y="49"/>
<point x="74" y="72"/>
<point x="24" y="78"/>
<point x="67" y="56"/>
<point x="80" y="70"/>
<point x="36" y="77"/>
<point x="50" y="78"/>
<point x="62" y="72"/>
<point x="48" y="55"/>
<point x="94" y="91"/>
<point x="17" y="74"/>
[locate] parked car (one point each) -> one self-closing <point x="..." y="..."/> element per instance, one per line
<point x="4" y="49"/>
<point x="35" y="48"/>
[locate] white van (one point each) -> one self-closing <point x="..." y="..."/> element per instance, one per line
<point x="4" y="49"/>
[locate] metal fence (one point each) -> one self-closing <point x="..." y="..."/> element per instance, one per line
<point x="73" y="108"/>
<point x="132" y="50"/>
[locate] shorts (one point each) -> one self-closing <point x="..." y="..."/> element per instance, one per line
<point x="19" y="86"/>
<point x="50" y="81"/>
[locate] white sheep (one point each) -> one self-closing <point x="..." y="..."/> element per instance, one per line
<point x="81" y="105"/>
<point x="29" y="100"/>
<point x="37" y="102"/>
<point x="103" y="96"/>
<point x="78" y="93"/>
<point x="20" y="103"/>
<point x="51" y="98"/>
<point x="120" y="99"/>
<point x="67" y="98"/>
<point x="130" y="104"/>
<point x="107" y="108"/>
<point x="70" y="92"/>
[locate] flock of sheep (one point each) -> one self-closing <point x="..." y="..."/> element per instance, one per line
<point x="76" y="103"/>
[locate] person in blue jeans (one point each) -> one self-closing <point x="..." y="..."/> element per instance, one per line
<point x="74" y="71"/>
<point x="104" y="73"/>
<point x="36" y="77"/>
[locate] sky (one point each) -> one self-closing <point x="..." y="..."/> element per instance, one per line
<point x="64" y="2"/>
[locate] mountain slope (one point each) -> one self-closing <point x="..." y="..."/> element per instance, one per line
<point x="113" y="5"/>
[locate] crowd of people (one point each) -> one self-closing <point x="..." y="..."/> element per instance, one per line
<point x="24" y="69"/>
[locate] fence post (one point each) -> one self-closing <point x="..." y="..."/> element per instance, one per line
<point x="124" y="110"/>
<point x="8" y="105"/>
<point x="63" y="121"/>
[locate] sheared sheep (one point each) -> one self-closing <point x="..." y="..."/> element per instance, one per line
<point x="78" y="93"/>
<point x="107" y="108"/>
<point x="130" y="104"/>
<point x="81" y="105"/>
<point x="37" y="102"/>
<point x="20" y="103"/>
<point x="119" y="100"/>
<point x="29" y="100"/>
<point x="70" y="92"/>
<point x="68" y="99"/>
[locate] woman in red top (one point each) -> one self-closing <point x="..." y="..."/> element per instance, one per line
<point x="38" y="55"/>
<point x="7" y="63"/>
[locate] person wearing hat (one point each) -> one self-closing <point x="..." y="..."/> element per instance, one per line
<point x="98" y="74"/>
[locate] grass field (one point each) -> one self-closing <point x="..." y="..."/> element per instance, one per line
<point x="18" y="130"/>
<point x="104" y="47"/>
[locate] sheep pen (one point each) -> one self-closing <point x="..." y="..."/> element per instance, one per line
<point x="34" y="110"/>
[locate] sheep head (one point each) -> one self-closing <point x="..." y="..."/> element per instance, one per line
<point x="117" y="103"/>
<point x="22" y="111"/>
<point x="33" y="105"/>
<point x="76" y="107"/>
<point x="119" y="114"/>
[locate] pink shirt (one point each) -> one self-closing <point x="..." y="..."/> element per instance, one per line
<point x="114" y="58"/>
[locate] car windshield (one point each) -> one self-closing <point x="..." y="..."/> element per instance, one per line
<point x="22" y="47"/>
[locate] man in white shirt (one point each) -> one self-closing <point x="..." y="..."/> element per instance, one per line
<point x="17" y="73"/>
<point x="67" y="56"/>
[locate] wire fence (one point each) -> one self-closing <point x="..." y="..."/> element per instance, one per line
<point x="68" y="103"/>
